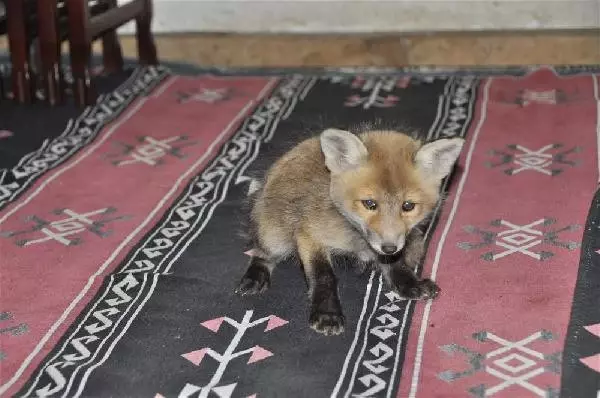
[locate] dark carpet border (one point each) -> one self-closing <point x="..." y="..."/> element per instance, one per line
<point x="577" y="379"/>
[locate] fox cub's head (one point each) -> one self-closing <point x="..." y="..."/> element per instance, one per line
<point x="385" y="182"/>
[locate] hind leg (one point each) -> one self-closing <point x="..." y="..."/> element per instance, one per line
<point x="257" y="278"/>
<point x="326" y="315"/>
<point x="269" y="248"/>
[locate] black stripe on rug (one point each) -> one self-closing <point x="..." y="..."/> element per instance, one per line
<point x="581" y="357"/>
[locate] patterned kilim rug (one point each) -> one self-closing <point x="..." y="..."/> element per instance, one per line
<point x="120" y="248"/>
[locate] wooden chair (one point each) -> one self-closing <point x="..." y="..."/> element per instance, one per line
<point x="84" y="28"/>
<point x="17" y="23"/>
<point x="50" y="35"/>
<point x="44" y="25"/>
<point x="53" y="29"/>
<point x="3" y="32"/>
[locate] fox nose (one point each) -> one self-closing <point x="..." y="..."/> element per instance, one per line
<point x="389" y="249"/>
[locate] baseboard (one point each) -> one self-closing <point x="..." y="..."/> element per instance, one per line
<point x="456" y="49"/>
<point x="464" y="49"/>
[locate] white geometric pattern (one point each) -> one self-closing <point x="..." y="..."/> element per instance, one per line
<point x="550" y="160"/>
<point x="535" y="160"/>
<point x="521" y="239"/>
<point x="547" y="97"/>
<point x="150" y="151"/>
<point x="522" y="363"/>
<point x="514" y="363"/>
<point x="208" y="95"/>
<point x="525" y="363"/>
<point x="63" y="230"/>
<point x="223" y="359"/>
<point x="376" y="92"/>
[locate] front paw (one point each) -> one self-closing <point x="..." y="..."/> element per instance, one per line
<point x="327" y="323"/>
<point x="256" y="280"/>
<point x="420" y="290"/>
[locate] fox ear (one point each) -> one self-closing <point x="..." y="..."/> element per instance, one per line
<point x="437" y="158"/>
<point x="342" y="149"/>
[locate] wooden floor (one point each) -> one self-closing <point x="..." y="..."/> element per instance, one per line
<point x="466" y="49"/>
<point x="389" y="50"/>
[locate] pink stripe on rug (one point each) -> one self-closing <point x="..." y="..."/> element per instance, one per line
<point x="76" y="224"/>
<point x="506" y="249"/>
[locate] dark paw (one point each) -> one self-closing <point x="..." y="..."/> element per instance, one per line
<point x="255" y="281"/>
<point x="421" y="290"/>
<point x="327" y="323"/>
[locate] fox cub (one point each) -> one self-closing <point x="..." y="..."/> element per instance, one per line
<point x="362" y="195"/>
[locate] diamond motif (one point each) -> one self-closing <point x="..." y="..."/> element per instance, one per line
<point x="522" y="363"/>
<point x="545" y="160"/>
<point x="520" y="238"/>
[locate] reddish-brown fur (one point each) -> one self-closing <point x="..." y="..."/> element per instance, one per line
<point x="312" y="202"/>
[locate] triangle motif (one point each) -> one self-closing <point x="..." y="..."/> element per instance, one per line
<point x="224" y="391"/>
<point x="593" y="329"/>
<point x="275" y="322"/>
<point x="195" y="357"/>
<point x="258" y="354"/>
<point x="592" y="362"/>
<point x="213" y="324"/>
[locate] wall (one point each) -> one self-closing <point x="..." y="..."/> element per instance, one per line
<point x="366" y="16"/>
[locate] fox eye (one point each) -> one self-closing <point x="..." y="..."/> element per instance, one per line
<point x="408" y="205"/>
<point x="370" y="204"/>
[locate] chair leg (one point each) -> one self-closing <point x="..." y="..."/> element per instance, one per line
<point x="111" y="48"/>
<point x="50" y="50"/>
<point x="145" y="39"/>
<point x="80" y="51"/>
<point x="22" y="85"/>
<point x="80" y="64"/>
<point x="111" y="52"/>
